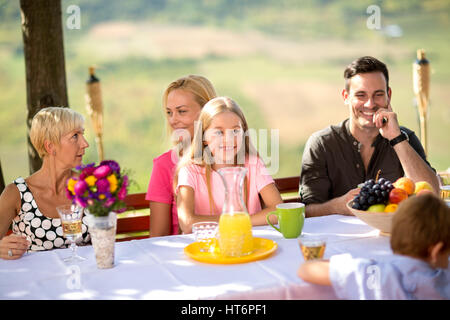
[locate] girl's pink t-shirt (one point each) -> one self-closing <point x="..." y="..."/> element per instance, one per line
<point x="194" y="177"/>
<point x="160" y="187"/>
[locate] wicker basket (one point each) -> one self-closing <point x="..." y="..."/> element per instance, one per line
<point x="378" y="220"/>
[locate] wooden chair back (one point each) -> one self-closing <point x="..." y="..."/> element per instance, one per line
<point x="134" y="225"/>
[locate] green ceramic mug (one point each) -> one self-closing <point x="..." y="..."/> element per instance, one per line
<point x="291" y="217"/>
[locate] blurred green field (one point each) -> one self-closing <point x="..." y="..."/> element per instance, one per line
<point x="281" y="82"/>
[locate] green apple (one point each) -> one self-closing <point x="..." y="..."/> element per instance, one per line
<point x="376" y="208"/>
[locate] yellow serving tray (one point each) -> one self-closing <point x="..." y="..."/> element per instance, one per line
<point x="262" y="249"/>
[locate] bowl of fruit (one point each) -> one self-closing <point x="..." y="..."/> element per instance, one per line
<point x="378" y="200"/>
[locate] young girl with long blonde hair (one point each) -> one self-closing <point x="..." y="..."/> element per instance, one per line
<point x="221" y="140"/>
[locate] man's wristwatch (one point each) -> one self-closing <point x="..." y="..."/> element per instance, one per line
<point x="402" y="137"/>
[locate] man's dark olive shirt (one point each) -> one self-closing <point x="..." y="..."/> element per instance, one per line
<point x="332" y="164"/>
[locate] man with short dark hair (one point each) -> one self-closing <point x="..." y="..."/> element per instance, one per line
<point x="339" y="157"/>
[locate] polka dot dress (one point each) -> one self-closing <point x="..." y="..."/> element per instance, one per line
<point x="44" y="233"/>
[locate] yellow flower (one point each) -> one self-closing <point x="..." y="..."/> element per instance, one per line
<point x="102" y="196"/>
<point x="91" y="180"/>
<point x="112" y="183"/>
<point x="71" y="185"/>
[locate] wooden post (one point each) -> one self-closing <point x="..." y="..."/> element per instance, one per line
<point x="43" y="45"/>
<point x="421" y="86"/>
<point x="94" y="107"/>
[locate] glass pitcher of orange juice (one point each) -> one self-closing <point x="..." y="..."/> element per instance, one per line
<point x="235" y="228"/>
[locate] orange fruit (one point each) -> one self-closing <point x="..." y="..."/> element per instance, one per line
<point x="406" y="184"/>
<point x="391" y="207"/>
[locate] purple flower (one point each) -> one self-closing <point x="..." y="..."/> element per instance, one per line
<point x="112" y="164"/>
<point x="80" y="187"/>
<point x="102" y="171"/>
<point x="100" y="196"/>
<point x="87" y="172"/>
<point x="121" y="210"/>
<point x="80" y="201"/>
<point x="122" y="193"/>
<point x="69" y="194"/>
<point x="102" y="185"/>
<point x="125" y="181"/>
<point x="109" y="202"/>
<point x="84" y="166"/>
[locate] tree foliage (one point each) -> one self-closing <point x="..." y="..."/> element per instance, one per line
<point x="313" y="17"/>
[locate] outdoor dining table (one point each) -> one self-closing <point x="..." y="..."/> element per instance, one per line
<point x="158" y="268"/>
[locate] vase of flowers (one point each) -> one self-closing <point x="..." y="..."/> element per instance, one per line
<point x="101" y="190"/>
<point x="103" y="236"/>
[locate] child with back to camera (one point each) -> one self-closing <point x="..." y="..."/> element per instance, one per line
<point x="420" y="240"/>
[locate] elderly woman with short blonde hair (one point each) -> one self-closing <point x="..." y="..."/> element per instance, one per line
<point x="29" y="204"/>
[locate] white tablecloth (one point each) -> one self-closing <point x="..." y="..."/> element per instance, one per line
<point x="157" y="268"/>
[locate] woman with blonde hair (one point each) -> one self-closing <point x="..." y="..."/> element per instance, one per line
<point x="183" y="100"/>
<point x="221" y="140"/>
<point x="57" y="134"/>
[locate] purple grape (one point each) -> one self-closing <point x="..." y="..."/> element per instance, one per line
<point x="356" y="206"/>
<point x="362" y="200"/>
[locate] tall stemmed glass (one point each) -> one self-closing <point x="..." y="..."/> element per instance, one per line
<point x="71" y="215"/>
